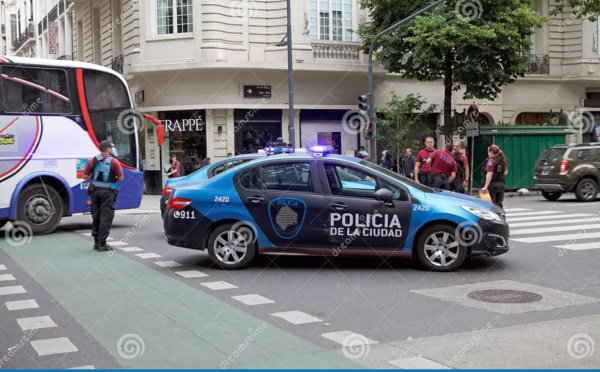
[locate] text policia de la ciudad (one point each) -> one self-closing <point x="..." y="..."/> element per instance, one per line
<point x="373" y="225"/>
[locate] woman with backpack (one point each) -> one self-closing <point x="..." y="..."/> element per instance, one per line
<point x="495" y="170"/>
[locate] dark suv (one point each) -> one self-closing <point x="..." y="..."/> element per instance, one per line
<point x="566" y="168"/>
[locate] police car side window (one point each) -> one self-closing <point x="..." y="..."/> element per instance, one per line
<point x="399" y="193"/>
<point x="349" y="181"/>
<point x="251" y="180"/>
<point x="287" y="177"/>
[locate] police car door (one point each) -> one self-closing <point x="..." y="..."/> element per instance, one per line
<point x="355" y="219"/>
<point x="285" y="200"/>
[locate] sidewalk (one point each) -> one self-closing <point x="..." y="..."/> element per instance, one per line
<point x="150" y="205"/>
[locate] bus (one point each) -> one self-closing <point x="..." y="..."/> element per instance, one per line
<point x="53" y="115"/>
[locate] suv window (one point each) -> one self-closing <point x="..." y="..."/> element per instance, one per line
<point x="584" y="155"/>
<point x="287" y="177"/>
<point x="597" y="156"/>
<point x="349" y="181"/>
<point x="553" y="155"/>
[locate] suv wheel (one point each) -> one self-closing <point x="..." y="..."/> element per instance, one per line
<point x="586" y="190"/>
<point x="552" y="196"/>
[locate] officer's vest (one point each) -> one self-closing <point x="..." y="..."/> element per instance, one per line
<point x="103" y="178"/>
<point x="498" y="175"/>
<point x="460" y="168"/>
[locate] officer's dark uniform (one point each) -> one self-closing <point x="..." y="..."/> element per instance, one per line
<point x="104" y="195"/>
<point x="442" y="167"/>
<point x="497" y="185"/>
<point x="457" y="184"/>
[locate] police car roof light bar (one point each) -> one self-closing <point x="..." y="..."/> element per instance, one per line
<point x="319" y="150"/>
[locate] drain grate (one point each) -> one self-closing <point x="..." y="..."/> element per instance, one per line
<point x="504" y="296"/>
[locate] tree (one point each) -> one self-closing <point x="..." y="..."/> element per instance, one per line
<point x="400" y="120"/>
<point x="581" y="8"/>
<point x="478" y="45"/>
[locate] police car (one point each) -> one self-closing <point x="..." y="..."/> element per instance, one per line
<point x="204" y="174"/>
<point x="320" y="204"/>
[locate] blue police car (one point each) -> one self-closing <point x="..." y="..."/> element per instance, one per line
<point x="204" y="174"/>
<point x="319" y="204"/>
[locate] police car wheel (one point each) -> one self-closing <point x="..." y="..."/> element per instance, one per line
<point x="586" y="190"/>
<point x="232" y="246"/>
<point x="438" y="249"/>
<point x="39" y="207"/>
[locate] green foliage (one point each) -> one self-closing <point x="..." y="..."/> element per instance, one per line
<point x="400" y="120"/>
<point x="581" y="8"/>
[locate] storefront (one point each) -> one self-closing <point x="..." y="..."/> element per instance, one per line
<point x="255" y="128"/>
<point x="185" y="137"/>
<point x="340" y="129"/>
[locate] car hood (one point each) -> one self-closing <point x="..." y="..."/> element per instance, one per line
<point x="461" y="199"/>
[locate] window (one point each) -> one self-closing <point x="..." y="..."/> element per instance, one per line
<point x="251" y="180"/>
<point x="228" y="165"/>
<point x="331" y="20"/>
<point x="584" y="155"/>
<point x="174" y="16"/>
<point x="287" y="177"/>
<point x="104" y="91"/>
<point x="597" y="156"/>
<point x="349" y="181"/>
<point x="399" y="194"/>
<point x="34" y="91"/>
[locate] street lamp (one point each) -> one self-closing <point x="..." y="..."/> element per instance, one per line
<point x="288" y="42"/>
<point x="372" y="49"/>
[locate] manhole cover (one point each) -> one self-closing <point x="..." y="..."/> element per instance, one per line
<point x="504" y="296"/>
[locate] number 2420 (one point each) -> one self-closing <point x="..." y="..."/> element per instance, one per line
<point x="420" y="207"/>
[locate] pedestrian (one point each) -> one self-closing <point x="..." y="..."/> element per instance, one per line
<point x="460" y="183"/>
<point x="495" y="170"/>
<point x="443" y="168"/>
<point x="229" y="154"/>
<point x="409" y="165"/>
<point x="175" y="170"/>
<point x="362" y="154"/>
<point x="422" y="169"/>
<point x="205" y="162"/>
<point x="104" y="171"/>
<point x="387" y="159"/>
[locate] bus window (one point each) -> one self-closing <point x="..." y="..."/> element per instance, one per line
<point x="34" y="90"/>
<point x="104" y="91"/>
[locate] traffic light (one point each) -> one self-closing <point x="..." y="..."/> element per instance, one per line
<point x="369" y="131"/>
<point x="363" y="112"/>
<point x="363" y="103"/>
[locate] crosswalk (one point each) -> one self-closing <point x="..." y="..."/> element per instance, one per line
<point x="570" y="231"/>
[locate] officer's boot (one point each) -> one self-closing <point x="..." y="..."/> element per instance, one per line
<point x="96" y="243"/>
<point x="103" y="247"/>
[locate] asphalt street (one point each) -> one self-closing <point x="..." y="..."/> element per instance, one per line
<point x="151" y="305"/>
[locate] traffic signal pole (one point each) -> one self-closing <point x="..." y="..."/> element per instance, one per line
<point x="371" y="50"/>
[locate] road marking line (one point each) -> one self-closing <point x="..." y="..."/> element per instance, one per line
<point x="297" y="317"/>
<point x="516" y="210"/>
<point x="582" y="228"/>
<point x="557" y="238"/>
<point x="582" y="204"/>
<point x="36" y="322"/>
<point x="2" y="267"/>
<point x="191" y="274"/>
<point x="348" y="338"/>
<point x="148" y="255"/>
<point x="168" y="264"/>
<point x="12" y="290"/>
<point x="117" y="244"/>
<point x="130" y="249"/>
<point x="417" y="363"/>
<point x="6" y="277"/>
<point x="84" y="367"/>
<point x="539" y="213"/>
<point x="580" y="246"/>
<point x="551" y="217"/>
<point x="217" y="286"/>
<point x="53" y="346"/>
<point x="21" y="305"/>
<point x="253" y="299"/>
<point x="544" y="223"/>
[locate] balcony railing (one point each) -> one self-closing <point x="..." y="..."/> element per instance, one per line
<point x="117" y="64"/>
<point x="24" y="37"/>
<point x="336" y="50"/>
<point x="539" y="64"/>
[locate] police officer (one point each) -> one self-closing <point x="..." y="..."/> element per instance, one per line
<point x="422" y="169"/>
<point x="104" y="171"/>
<point x="460" y="183"/>
<point x="443" y="168"/>
<point x="495" y="169"/>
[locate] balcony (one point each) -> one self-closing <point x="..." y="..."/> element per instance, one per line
<point x="117" y="64"/>
<point x="336" y="50"/>
<point x="539" y="64"/>
<point x="25" y="36"/>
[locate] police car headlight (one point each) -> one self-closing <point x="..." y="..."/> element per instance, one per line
<point x="483" y="213"/>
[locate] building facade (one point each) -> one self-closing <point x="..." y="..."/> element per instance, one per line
<point x="215" y="72"/>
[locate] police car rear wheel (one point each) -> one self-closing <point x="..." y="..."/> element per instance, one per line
<point x="231" y="246"/>
<point x="40" y="208"/>
<point x="438" y="249"/>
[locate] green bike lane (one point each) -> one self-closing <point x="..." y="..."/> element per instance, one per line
<point x="146" y="319"/>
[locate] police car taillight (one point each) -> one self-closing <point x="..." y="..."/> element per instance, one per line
<point x="177" y="203"/>
<point x="167" y="190"/>
<point x="564" y="166"/>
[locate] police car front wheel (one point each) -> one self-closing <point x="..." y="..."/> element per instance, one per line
<point x="232" y="246"/>
<point x="438" y="249"/>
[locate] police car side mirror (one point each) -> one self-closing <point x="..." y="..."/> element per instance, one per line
<point x="384" y="195"/>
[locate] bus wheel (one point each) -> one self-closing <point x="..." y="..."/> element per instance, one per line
<point x="40" y="207"/>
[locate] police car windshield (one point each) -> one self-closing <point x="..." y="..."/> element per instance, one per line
<point x="397" y="177"/>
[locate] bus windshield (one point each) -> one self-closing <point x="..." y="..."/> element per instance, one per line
<point x="110" y="112"/>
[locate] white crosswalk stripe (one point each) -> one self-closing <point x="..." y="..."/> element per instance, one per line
<point x="510" y="210"/>
<point x="551" y="222"/>
<point x="558" y="238"/>
<point x="580" y="246"/>
<point x="550" y="217"/>
<point x="542" y="230"/>
<point x="538" y="213"/>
